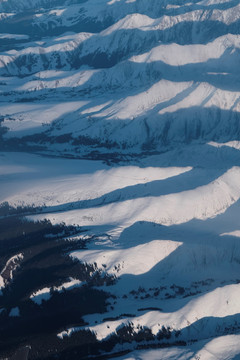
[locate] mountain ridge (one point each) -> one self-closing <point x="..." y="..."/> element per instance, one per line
<point x="119" y="172"/>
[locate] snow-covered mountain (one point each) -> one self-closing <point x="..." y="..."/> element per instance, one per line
<point x="169" y="67"/>
<point x="120" y="178"/>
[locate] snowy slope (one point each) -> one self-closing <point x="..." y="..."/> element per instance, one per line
<point x="224" y="348"/>
<point x="177" y="252"/>
<point x="121" y="119"/>
<point x="172" y="69"/>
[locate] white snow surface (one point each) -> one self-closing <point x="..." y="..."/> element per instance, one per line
<point x="6" y="274"/>
<point x="174" y="208"/>
<point x="41" y="295"/>
<point x="137" y="260"/>
<point x="45" y="294"/>
<point x="199" y="207"/>
<point x="150" y="91"/>
<point x="218" y="304"/>
<point x="224" y="348"/>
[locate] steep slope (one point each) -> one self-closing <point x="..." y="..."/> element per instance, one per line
<point x="119" y="173"/>
<point x="172" y="69"/>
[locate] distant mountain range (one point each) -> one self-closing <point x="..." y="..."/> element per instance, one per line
<point x="119" y="74"/>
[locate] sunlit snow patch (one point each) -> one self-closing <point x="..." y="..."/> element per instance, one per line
<point x="6" y="274"/>
<point x="135" y="260"/>
<point x="45" y="294"/>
